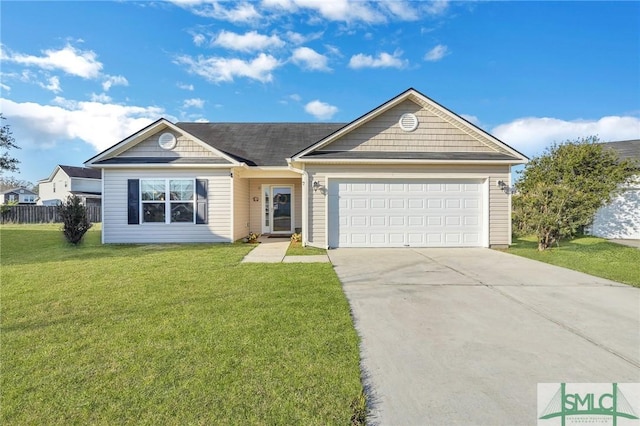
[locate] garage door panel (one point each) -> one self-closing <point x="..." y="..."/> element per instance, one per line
<point x="434" y="204"/>
<point x="378" y="221"/>
<point x="416" y="203"/>
<point x="416" y="221"/>
<point x="358" y="221"/>
<point x="396" y="203"/>
<point x="396" y="220"/>
<point x="399" y="212"/>
<point x="452" y="221"/>
<point x="377" y="203"/>
<point x="359" y="203"/>
<point x="452" y="204"/>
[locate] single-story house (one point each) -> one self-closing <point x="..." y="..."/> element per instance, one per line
<point x="621" y="217"/>
<point x="65" y="181"/>
<point x="407" y="173"/>
<point x="19" y="195"/>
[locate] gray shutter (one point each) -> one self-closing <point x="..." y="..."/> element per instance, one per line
<point x="133" y="202"/>
<point x="201" y="201"/>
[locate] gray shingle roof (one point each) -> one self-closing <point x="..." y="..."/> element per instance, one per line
<point x="404" y="155"/>
<point x="261" y="144"/>
<point x="81" y="172"/>
<point x="626" y="149"/>
<point x="17" y="191"/>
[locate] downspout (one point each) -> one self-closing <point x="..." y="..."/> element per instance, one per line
<point x="305" y="201"/>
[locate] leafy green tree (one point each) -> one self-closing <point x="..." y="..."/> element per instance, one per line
<point x="7" y="142"/>
<point x="75" y="220"/>
<point x="560" y="191"/>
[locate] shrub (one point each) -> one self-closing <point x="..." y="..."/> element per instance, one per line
<point x="296" y="238"/>
<point x="75" y="221"/>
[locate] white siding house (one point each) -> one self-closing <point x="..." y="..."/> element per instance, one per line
<point x="69" y="180"/>
<point x="621" y="218"/>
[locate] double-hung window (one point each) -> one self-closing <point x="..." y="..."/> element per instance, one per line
<point x="167" y="200"/>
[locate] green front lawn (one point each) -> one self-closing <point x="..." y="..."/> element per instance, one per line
<point x="591" y="255"/>
<point x="169" y="334"/>
<point x="296" y="249"/>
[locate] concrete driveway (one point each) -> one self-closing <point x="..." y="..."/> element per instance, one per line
<point x="463" y="336"/>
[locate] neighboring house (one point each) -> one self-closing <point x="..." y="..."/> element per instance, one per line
<point x="19" y="195"/>
<point x="69" y="180"/>
<point x="621" y="217"/>
<point x="408" y="173"/>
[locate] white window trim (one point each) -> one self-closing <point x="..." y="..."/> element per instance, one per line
<point x="167" y="202"/>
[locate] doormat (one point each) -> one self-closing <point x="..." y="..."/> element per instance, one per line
<point x="280" y="236"/>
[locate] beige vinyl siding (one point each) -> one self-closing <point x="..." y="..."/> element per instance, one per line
<point x="434" y="134"/>
<point x="499" y="215"/>
<point x="116" y="229"/>
<point x="184" y="148"/>
<point x="255" y="190"/>
<point x="241" y="207"/>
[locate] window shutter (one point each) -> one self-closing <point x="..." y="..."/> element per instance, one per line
<point x="201" y="201"/>
<point x="133" y="202"/>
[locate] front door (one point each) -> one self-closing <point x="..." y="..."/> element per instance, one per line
<point x="278" y="209"/>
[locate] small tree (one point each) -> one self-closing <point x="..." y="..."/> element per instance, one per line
<point x="7" y="141"/>
<point x="75" y="221"/>
<point x="560" y="191"/>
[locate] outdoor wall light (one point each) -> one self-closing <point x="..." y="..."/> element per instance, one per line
<point x="256" y="199"/>
<point x="316" y="185"/>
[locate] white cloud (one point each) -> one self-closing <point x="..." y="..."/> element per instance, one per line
<point x="343" y="10"/>
<point x="217" y="69"/>
<point x="403" y="10"/>
<point x="243" y="12"/>
<point x="5" y="87"/>
<point x="384" y="60"/>
<point x="114" y="80"/>
<point x="52" y="85"/>
<point x="295" y="97"/>
<point x="100" y="97"/>
<point x="193" y="103"/>
<point x="333" y="50"/>
<point x="248" y="42"/>
<point x="531" y="135"/>
<point x="309" y="59"/>
<point x="437" y="53"/>
<point x="98" y="124"/>
<point x="286" y="5"/>
<point x="185" y="86"/>
<point x="320" y="110"/>
<point x="348" y="11"/>
<point x="68" y="59"/>
<point x="436" y="7"/>
<point x="199" y="39"/>
<point x="297" y="38"/>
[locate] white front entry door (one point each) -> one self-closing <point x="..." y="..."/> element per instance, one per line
<point x="277" y="209"/>
<point x="406" y="213"/>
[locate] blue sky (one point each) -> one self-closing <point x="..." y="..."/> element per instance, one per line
<point x="78" y="77"/>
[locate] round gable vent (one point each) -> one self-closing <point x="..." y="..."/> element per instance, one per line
<point x="167" y="141"/>
<point x="408" y="122"/>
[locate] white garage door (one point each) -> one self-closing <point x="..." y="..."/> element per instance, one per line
<point x="405" y="213"/>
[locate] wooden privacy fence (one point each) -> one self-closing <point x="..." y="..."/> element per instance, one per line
<point x="42" y="214"/>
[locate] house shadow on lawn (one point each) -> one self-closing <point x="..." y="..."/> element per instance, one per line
<point x="37" y="245"/>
